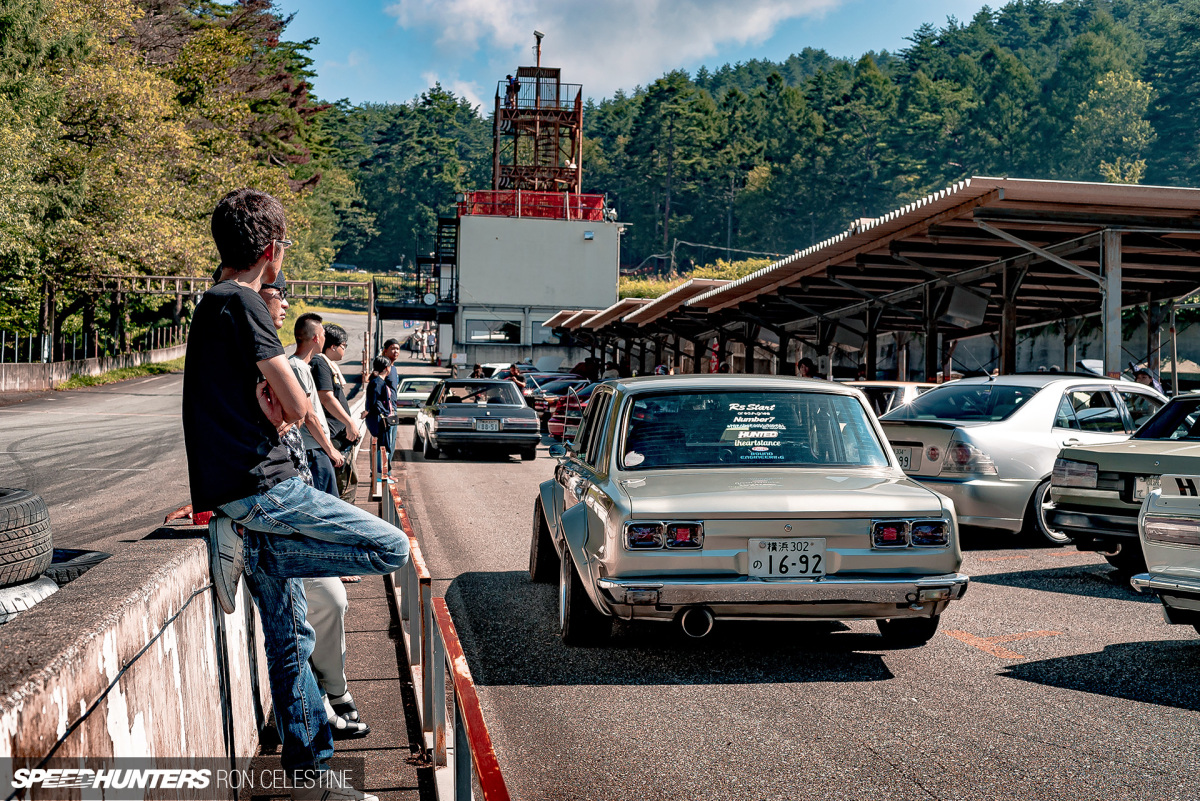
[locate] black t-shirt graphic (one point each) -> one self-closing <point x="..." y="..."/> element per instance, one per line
<point x="232" y="450"/>
<point x="323" y="378"/>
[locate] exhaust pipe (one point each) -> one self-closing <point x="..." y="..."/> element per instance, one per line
<point x="696" y="622"/>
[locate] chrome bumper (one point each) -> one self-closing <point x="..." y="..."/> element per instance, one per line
<point x="742" y="590"/>
<point x="1148" y="582"/>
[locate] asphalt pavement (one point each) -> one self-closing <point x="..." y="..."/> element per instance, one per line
<point x="1049" y="680"/>
<point x="109" y="460"/>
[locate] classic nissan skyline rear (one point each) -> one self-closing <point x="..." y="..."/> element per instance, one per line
<point x="703" y="499"/>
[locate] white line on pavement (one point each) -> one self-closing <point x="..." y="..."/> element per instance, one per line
<point x="114" y="469"/>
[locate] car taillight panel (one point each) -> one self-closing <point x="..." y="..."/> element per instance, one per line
<point x="1172" y="530"/>
<point x="1070" y="473"/>
<point x="520" y="422"/>
<point x="929" y="533"/>
<point x="685" y="535"/>
<point x="453" y="422"/>
<point x="889" y="534"/>
<point x="963" y="457"/>
<point x="643" y="536"/>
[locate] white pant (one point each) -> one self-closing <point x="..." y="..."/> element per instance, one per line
<point x="327" y="604"/>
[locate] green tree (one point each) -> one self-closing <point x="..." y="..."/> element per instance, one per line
<point x="1111" y="131"/>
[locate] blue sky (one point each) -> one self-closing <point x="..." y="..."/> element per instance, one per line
<point x="392" y="50"/>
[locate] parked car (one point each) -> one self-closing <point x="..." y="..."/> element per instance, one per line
<point x="546" y="393"/>
<point x="566" y="412"/>
<point x="1098" y="490"/>
<point x="990" y="443"/>
<point x="705" y="498"/>
<point x="1169" y="530"/>
<point x="887" y="395"/>
<point x="411" y="395"/>
<point x="483" y="414"/>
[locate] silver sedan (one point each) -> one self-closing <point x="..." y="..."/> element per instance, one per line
<point x="990" y="443"/>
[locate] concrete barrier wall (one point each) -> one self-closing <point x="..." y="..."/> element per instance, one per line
<point x="135" y="658"/>
<point x="18" y="377"/>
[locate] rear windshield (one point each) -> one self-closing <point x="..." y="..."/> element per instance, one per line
<point x="418" y="385"/>
<point x="808" y="429"/>
<point x="1179" y="419"/>
<point x="463" y="392"/>
<point x="986" y="402"/>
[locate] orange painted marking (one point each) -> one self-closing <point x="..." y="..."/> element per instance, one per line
<point x="1000" y="558"/>
<point x="991" y="645"/>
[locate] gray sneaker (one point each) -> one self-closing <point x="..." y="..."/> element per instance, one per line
<point x="330" y="794"/>
<point x="226" y="560"/>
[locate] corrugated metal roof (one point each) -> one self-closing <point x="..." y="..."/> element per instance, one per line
<point x="576" y="319"/>
<point x="560" y="318"/>
<point x="613" y="312"/>
<point x="672" y="299"/>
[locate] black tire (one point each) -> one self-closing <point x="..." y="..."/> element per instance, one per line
<point x="26" y="548"/>
<point x="543" y="558"/>
<point x="1129" y="559"/>
<point x="908" y="632"/>
<point x="529" y="455"/>
<point x="418" y="446"/>
<point x="70" y="565"/>
<point x="1035" y="518"/>
<point x="579" y="622"/>
<point x="430" y="452"/>
<point x="19" y="597"/>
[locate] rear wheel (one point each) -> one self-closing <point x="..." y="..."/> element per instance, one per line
<point x="543" y="558"/>
<point x="529" y="454"/>
<point x="1036" y="517"/>
<point x="418" y="445"/>
<point x="1129" y="559"/>
<point x="579" y="622"/>
<point x="908" y="632"/>
<point x="430" y="451"/>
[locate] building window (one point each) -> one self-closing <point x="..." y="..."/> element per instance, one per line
<point x="507" y="332"/>
<point x="545" y="336"/>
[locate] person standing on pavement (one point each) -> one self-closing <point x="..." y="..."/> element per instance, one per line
<point x="380" y="408"/>
<point x="331" y="386"/>
<point x="514" y="375"/>
<point x="239" y="398"/>
<point x="323" y="458"/>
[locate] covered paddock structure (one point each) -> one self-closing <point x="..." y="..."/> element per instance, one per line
<point x="985" y="256"/>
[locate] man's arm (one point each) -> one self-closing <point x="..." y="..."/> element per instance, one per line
<point x="285" y="388"/>
<point x="313" y="424"/>
<point x="333" y="407"/>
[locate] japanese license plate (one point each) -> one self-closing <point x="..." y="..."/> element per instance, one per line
<point x="908" y="460"/>
<point x="487" y="425"/>
<point x="790" y="558"/>
<point x="1144" y="485"/>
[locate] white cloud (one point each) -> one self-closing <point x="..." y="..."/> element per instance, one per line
<point x="354" y="59"/>
<point x="603" y="45"/>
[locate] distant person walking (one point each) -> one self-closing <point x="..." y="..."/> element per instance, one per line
<point x="240" y="398"/>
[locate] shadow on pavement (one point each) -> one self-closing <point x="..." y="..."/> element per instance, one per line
<point x="1094" y="581"/>
<point x="1163" y="672"/>
<point x="510" y="636"/>
<point x="991" y="539"/>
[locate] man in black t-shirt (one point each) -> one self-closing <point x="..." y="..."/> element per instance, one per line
<point x="239" y="398"/>
<point x="331" y="386"/>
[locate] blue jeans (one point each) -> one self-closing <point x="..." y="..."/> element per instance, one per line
<point x="321" y="467"/>
<point x="292" y="532"/>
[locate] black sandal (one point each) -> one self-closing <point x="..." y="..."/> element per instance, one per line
<point x="347" y="724"/>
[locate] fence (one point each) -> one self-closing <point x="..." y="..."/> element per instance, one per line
<point x="17" y="347"/>
<point x="459" y="744"/>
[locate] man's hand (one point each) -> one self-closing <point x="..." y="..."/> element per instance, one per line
<point x="352" y="433"/>
<point x="337" y="459"/>
<point x="269" y="405"/>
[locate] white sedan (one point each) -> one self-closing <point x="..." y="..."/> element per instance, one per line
<point x="411" y="396"/>
<point x="1169" y="527"/>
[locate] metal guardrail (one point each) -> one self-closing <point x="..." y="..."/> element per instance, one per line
<point x="459" y="743"/>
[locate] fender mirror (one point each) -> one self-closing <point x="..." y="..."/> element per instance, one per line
<point x="557" y="450"/>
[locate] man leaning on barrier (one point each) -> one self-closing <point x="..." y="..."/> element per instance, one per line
<point x="239" y="398"/>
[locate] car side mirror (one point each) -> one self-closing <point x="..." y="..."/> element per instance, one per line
<point x="557" y="450"/>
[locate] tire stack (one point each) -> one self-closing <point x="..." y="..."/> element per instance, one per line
<point x="26" y="551"/>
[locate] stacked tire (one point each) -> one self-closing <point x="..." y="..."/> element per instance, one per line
<point x="26" y="550"/>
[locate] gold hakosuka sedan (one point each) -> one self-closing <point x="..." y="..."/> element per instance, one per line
<point x="719" y="497"/>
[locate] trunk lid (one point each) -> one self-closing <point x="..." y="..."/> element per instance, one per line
<point x="918" y="440"/>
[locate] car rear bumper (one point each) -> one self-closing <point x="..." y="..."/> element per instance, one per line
<point x="830" y="598"/>
<point x="475" y="439"/>
<point x="1180" y="596"/>
<point x="1088" y="527"/>
<point x="985" y="502"/>
<point x="406" y="412"/>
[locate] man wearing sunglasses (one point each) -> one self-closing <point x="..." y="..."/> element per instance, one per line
<point x="240" y="397"/>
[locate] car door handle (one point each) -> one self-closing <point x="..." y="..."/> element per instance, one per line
<point x="1071" y="441"/>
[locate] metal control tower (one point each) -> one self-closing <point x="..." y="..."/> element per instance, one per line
<point x="538" y="131"/>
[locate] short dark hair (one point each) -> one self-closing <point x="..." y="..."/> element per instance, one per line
<point x="335" y="335"/>
<point x="244" y="224"/>
<point x="391" y="342"/>
<point x="306" y="326"/>
<point x="380" y="364"/>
